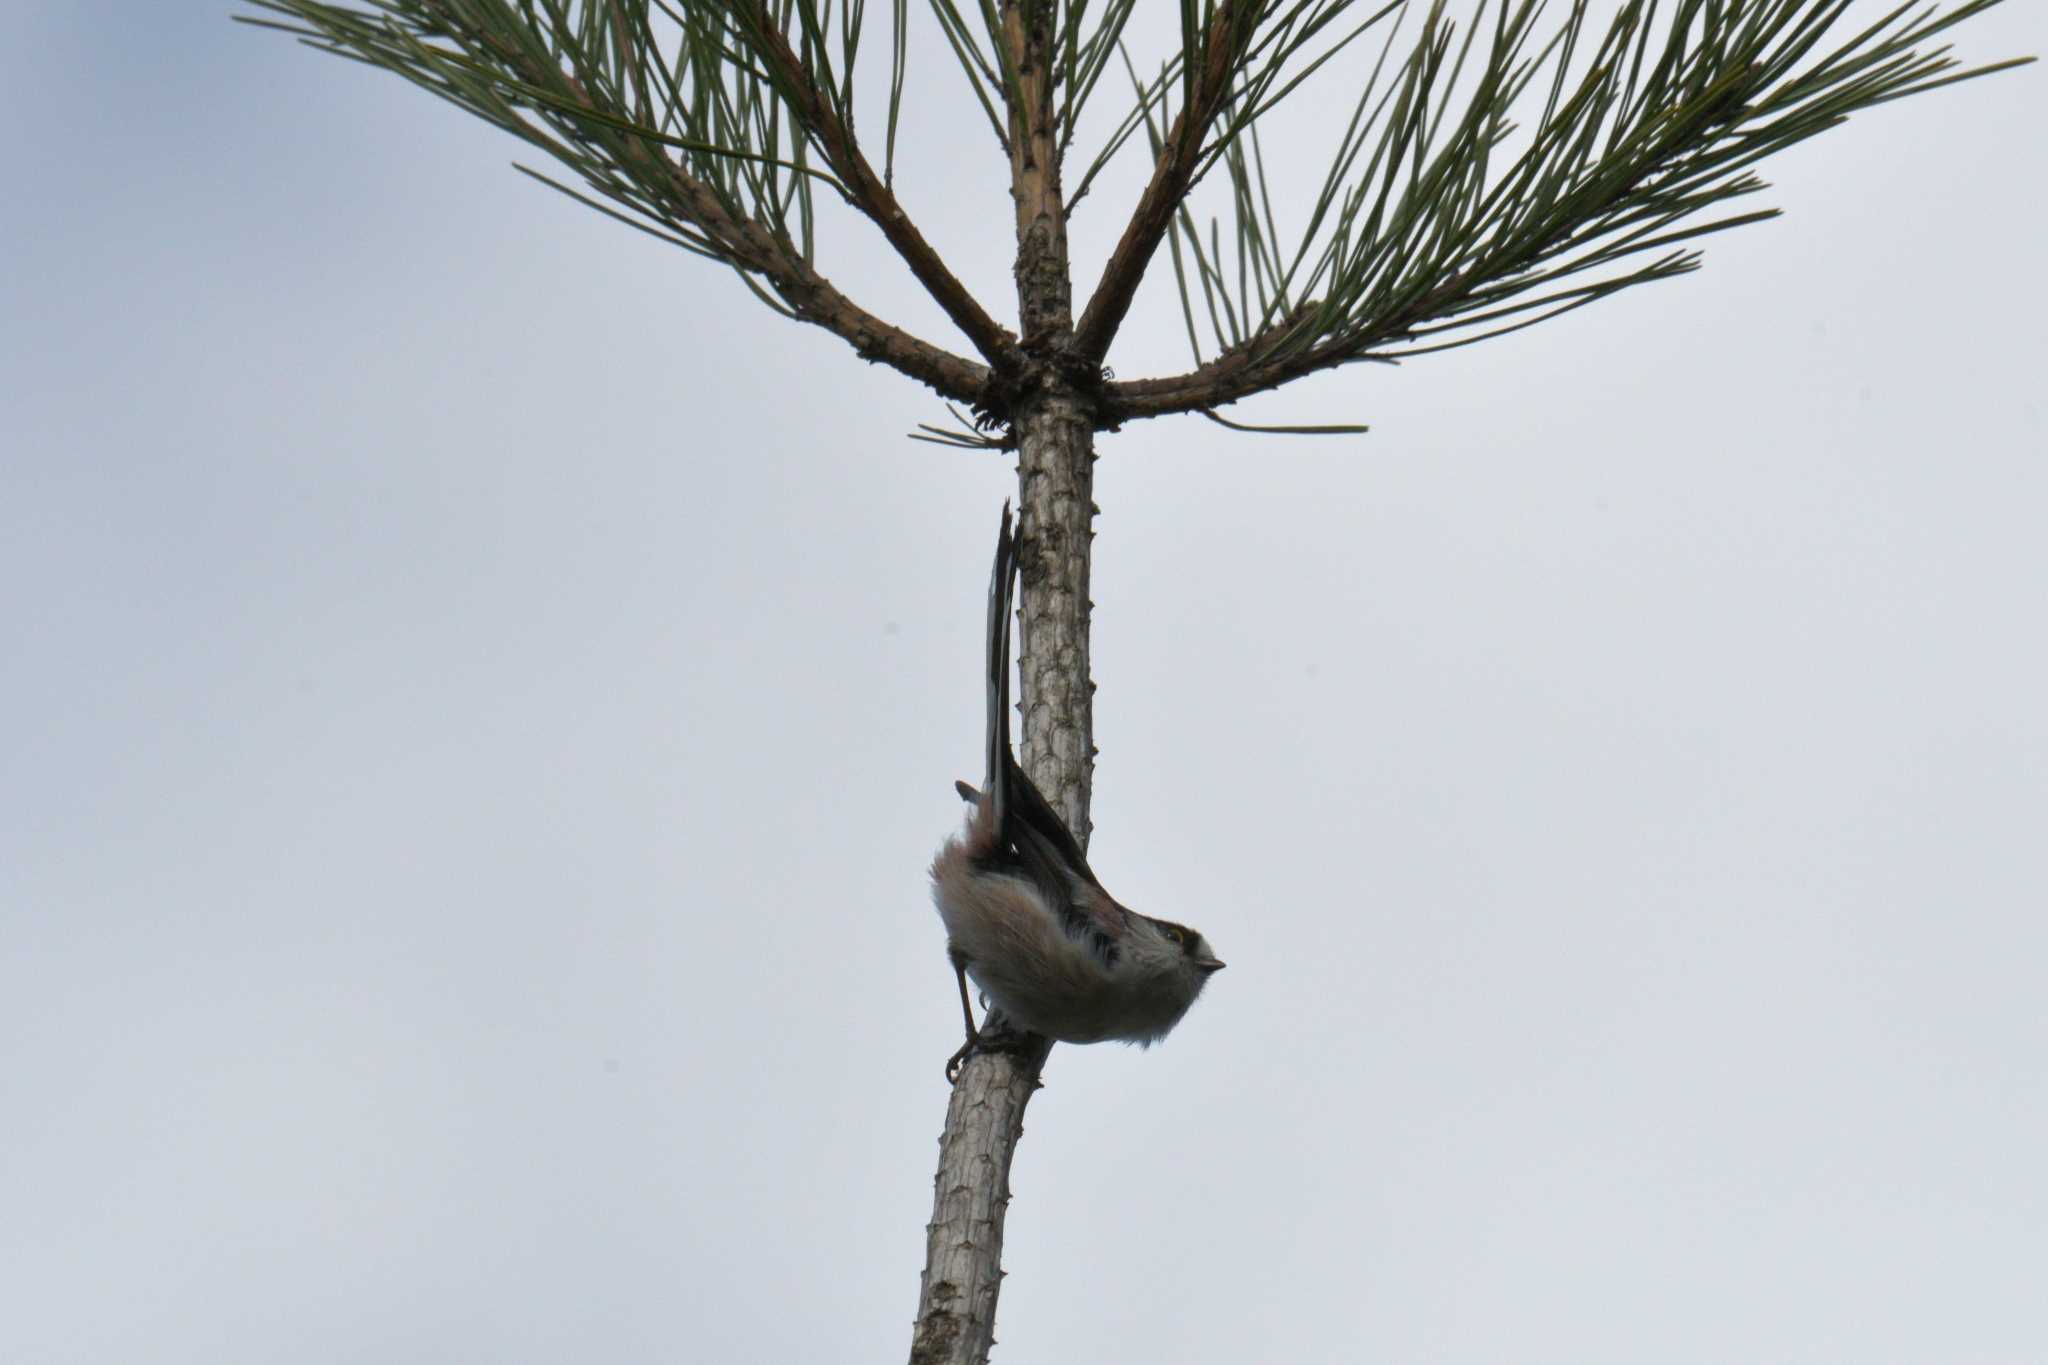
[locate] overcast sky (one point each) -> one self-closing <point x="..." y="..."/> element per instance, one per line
<point x="482" y="695"/>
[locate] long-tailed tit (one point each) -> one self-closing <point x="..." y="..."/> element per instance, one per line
<point x="1024" y="915"/>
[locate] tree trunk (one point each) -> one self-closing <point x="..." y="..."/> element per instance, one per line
<point x="962" y="1278"/>
<point x="956" y="1311"/>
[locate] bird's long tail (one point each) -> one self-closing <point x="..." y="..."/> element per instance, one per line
<point x="1021" y="818"/>
<point x="1002" y="586"/>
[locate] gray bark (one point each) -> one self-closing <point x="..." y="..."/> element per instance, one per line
<point x="956" y="1311"/>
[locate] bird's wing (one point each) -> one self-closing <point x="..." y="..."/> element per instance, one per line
<point x="1051" y="857"/>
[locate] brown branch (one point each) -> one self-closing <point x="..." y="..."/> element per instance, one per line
<point x="1172" y="174"/>
<point x="1238" y="373"/>
<point x="868" y="193"/>
<point x="748" y="243"/>
<point x="752" y="247"/>
<point x="1045" y="288"/>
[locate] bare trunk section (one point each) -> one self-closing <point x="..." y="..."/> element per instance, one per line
<point x="963" y="1244"/>
<point x="1056" y="478"/>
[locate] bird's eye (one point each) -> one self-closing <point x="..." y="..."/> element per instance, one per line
<point x="1173" y="935"/>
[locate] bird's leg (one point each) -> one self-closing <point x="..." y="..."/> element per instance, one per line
<point x="959" y="1059"/>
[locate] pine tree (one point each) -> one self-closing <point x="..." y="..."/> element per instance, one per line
<point x="1483" y="176"/>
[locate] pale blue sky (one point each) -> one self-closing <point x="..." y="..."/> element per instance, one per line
<point x="483" y="694"/>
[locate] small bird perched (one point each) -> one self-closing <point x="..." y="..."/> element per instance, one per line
<point x="1024" y="915"/>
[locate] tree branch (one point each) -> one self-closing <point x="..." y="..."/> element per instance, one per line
<point x="867" y="192"/>
<point x="1238" y="373"/>
<point x="748" y="245"/>
<point x="1180" y="156"/>
<point x="1045" y="290"/>
<point x="816" y="300"/>
<point x="550" y="80"/>
<point x="1436" y="226"/>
